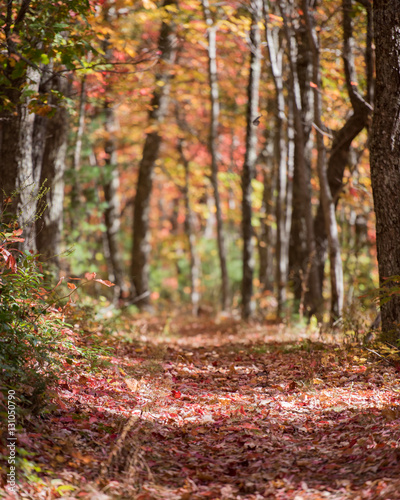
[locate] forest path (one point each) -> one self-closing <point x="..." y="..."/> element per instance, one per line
<point x="192" y="409"/>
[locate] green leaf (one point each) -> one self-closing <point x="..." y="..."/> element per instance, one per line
<point x="44" y="58"/>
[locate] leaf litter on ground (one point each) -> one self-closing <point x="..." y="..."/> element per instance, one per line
<point x="218" y="410"/>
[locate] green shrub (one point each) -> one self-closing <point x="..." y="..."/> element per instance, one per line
<point x="28" y="334"/>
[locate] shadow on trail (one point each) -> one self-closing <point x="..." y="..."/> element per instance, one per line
<point x="231" y="411"/>
<point x="247" y="419"/>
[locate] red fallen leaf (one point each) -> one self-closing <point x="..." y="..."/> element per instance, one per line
<point x="92" y="420"/>
<point x="291" y="386"/>
<point x="64" y="385"/>
<point x="249" y="426"/>
<point x="361" y="369"/>
<point x="61" y="404"/>
<point x="66" y="419"/>
<point x="242" y="411"/>
<point x="176" y="394"/>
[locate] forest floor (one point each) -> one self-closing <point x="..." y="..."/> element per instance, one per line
<point x="198" y="409"/>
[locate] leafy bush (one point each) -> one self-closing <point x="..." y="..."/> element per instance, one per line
<point x="34" y="340"/>
<point x="28" y="339"/>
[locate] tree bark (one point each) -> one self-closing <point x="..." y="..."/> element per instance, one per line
<point x="250" y="159"/>
<point x="213" y="148"/>
<point x="275" y="51"/>
<point x="112" y="212"/>
<point x="385" y="155"/>
<point x="303" y="178"/>
<point x="266" y="238"/>
<point x="194" y="259"/>
<point x="327" y="201"/>
<point x="76" y="160"/>
<point x="141" y="247"/>
<point x="50" y="223"/>
<point x="298" y="246"/>
<point x="16" y="163"/>
<point x="340" y="150"/>
<point x="110" y="180"/>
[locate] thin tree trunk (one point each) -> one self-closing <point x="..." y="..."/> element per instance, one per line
<point x="194" y="259"/>
<point x="340" y="151"/>
<point x="213" y="148"/>
<point x="110" y="181"/>
<point x="112" y="212"/>
<point x="250" y="159"/>
<point x="76" y="161"/>
<point x="328" y="204"/>
<point x="141" y="248"/>
<point x="280" y="153"/>
<point x="266" y="239"/>
<point x="385" y="156"/>
<point x="303" y="175"/>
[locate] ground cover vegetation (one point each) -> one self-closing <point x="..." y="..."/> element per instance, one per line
<point x="199" y="269"/>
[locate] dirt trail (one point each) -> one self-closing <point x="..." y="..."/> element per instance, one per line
<point x="195" y="409"/>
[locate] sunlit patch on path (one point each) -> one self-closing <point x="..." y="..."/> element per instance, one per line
<point x="207" y="410"/>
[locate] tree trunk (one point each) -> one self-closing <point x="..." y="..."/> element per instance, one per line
<point x="213" y="148"/>
<point x="49" y="224"/>
<point x="385" y="155"/>
<point x="112" y="212"/>
<point x="76" y="160"/>
<point x="110" y="180"/>
<point x="266" y="238"/>
<point x="250" y="159"/>
<point x="16" y="160"/>
<point x="298" y="247"/>
<point x="303" y="179"/>
<point x="141" y="247"/>
<point x="339" y="154"/>
<point x="328" y="204"/>
<point x="280" y="153"/>
<point x="194" y="259"/>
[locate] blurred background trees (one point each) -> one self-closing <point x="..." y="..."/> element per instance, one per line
<point x="130" y="146"/>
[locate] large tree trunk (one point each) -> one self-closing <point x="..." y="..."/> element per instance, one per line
<point x="213" y="148"/>
<point x="250" y="159"/>
<point x="141" y="247"/>
<point x="328" y="204"/>
<point x="16" y="160"/>
<point x="385" y="155"/>
<point x="298" y="247"/>
<point x="50" y="222"/>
